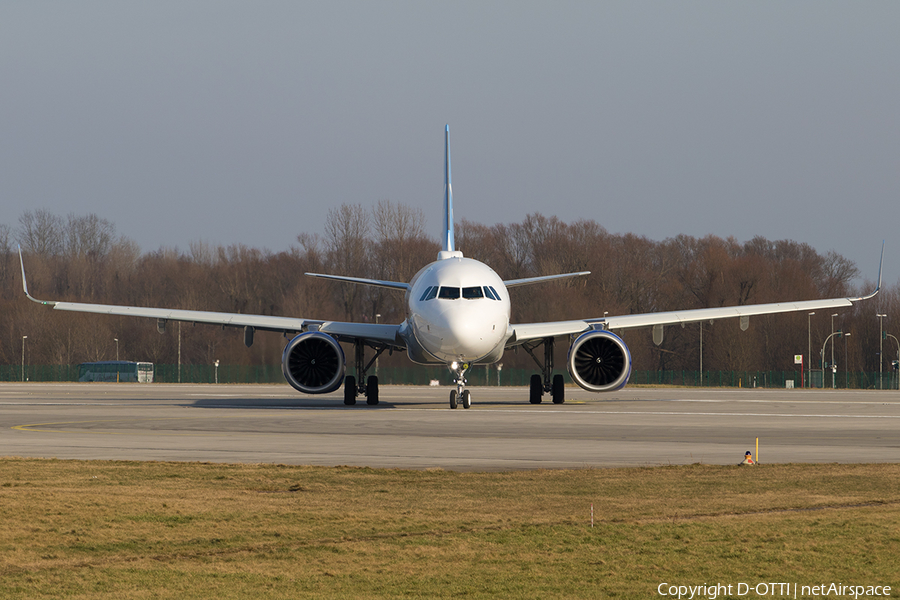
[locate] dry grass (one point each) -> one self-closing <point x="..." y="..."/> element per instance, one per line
<point x="74" y="529"/>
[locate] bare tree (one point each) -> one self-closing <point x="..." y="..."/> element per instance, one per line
<point x="837" y="272"/>
<point x="40" y="232"/>
<point x="346" y="234"/>
<point x="7" y="268"/>
<point x="88" y="236"/>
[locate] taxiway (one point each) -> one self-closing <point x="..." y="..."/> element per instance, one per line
<point x="414" y="428"/>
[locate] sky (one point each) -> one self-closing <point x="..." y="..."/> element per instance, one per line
<point x="245" y="122"/>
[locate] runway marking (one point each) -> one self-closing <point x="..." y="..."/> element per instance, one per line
<point x="269" y="396"/>
<point x="747" y="414"/>
<point x="666" y="413"/>
<point x="153" y="403"/>
<point x="817" y="402"/>
<point x="553" y="412"/>
<point x="73" y="404"/>
<point x="32" y="427"/>
<point x="27" y="427"/>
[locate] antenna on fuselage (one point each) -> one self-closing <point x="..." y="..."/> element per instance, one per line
<point x="448" y="249"/>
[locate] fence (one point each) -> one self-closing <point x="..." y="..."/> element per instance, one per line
<point x="477" y="376"/>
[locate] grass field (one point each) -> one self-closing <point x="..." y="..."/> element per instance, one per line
<point x="76" y="529"/>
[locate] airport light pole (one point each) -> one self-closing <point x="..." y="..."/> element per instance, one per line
<point x="846" y="364"/>
<point x="880" y="348"/>
<point x="898" y="358"/>
<point x="24" y="337"/>
<point x="823" y="359"/>
<point x="116" y="340"/>
<point x="701" y="353"/>
<point x="832" y="353"/>
<point x="809" y="350"/>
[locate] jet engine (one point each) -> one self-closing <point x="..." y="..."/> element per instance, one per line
<point x="599" y="361"/>
<point x="313" y="363"/>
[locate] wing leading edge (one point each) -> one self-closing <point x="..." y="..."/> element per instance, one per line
<point x="383" y="333"/>
<point x="531" y="331"/>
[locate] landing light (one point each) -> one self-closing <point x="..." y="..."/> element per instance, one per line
<point x="454" y="365"/>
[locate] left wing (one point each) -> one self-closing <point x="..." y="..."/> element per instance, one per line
<point x="529" y="280"/>
<point x="531" y="331"/>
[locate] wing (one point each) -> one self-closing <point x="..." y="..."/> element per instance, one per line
<point x="529" y="280"/>
<point x="383" y="333"/>
<point x="393" y="285"/>
<point x="531" y="331"/>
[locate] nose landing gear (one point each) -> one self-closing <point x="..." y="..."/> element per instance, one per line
<point x="460" y="394"/>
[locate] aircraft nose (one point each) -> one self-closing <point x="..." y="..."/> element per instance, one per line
<point x="474" y="333"/>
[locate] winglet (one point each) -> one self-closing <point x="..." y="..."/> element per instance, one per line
<point x="25" y="283"/>
<point x="878" y="287"/>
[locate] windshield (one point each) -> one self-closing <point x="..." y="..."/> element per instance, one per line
<point x="454" y="293"/>
<point x="449" y="293"/>
<point x="471" y="293"/>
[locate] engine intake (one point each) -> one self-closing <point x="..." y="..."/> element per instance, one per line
<point x="599" y="361"/>
<point x="313" y="363"/>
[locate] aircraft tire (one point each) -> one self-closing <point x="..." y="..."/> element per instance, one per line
<point x="350" y="390"/>
<point x="453" y="399"/>
<point x="536" y="390"/>
<point x="466" y="399"/>
<point x="372" y="390"/>
<point x="559" y="389"/>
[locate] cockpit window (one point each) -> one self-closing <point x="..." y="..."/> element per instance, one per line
<point x="430" y="293"/>
<point x="454" y="293"/>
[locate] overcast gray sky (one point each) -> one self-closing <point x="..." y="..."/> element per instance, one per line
<point x="244" y="122"/>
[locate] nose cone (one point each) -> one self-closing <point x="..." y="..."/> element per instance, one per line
<point x="472" y="333"/>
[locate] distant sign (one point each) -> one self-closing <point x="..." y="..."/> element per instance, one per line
<point x="798" y="359"/>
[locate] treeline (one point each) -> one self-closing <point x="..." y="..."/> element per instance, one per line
<point x="81" y="258"/>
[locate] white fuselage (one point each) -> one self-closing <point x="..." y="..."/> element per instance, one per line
<point x="459" y="311"/>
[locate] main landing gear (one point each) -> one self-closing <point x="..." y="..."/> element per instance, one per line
<point x="367" y="386"/>
<point x="460" y="395"/>
<point x="546" y="382"/>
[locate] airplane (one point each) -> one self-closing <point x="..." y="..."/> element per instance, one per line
<point x="458" y="315"/>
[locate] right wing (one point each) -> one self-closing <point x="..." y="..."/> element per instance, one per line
<point x="384" y="333"/>
<point x="393" y="285"/>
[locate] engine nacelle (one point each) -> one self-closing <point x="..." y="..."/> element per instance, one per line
<point x="313" y="363"/>
<point x="599" y="361"/>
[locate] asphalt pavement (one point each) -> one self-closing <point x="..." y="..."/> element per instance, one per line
<point x="414" y="428"/>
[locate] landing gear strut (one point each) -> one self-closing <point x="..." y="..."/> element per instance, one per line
<point x="546" y="382"/>
<point x="460" y="394"/>
<point x="367" y="387"/>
